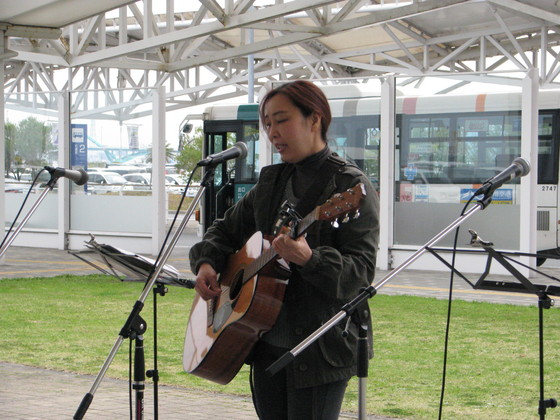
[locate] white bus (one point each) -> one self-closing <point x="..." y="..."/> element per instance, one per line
<point x="446" y="146"/>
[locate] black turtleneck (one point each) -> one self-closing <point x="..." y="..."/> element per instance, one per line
<point x="306" y="171"/>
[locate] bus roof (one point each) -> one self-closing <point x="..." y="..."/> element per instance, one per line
<point x="436" y="104"/>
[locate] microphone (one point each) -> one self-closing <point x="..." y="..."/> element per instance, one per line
<point x="80" y="177"/>
<point x="239" y="150"/>
<point x="519" y="167"/>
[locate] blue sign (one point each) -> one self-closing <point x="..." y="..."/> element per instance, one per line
<point x="503" y="196"/>
<point x="241" y="190"/>
<point x="78" y="145"/>
<point x="500" y="196"/>
<point x="410" y="171"/>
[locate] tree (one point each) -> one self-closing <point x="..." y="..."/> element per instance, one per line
<point x="169" y="154"/>
<point x="191" y="153"/>
<point x="29" y="144"/>
<point x="33" y="142"/>
<point x="9" y="134"/>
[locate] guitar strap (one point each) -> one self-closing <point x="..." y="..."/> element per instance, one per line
<point x="327" y="170"/>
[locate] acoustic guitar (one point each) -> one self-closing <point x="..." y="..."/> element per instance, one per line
<point x="222" y="331"/>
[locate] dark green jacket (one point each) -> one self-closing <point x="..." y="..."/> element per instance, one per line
<point x="343" y="262"/>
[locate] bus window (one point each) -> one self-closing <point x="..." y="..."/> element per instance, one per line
<point x="249" y="171"/>
<point x="356" y="139"/>
<point x="548" y="149"/>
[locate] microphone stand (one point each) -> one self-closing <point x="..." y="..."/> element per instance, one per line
<point x="134" y="316"/>
<point x="137" y="332"/>
<point x="49" y="186"/>
<point x="349" y="308"/>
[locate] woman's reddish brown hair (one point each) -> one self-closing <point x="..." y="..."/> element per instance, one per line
<point x="308" y="98"/>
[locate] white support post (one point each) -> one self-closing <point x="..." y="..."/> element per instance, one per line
<point x="3" y="39"/>
<point x="529" y="151"/>
<point x="251" y="69"/>
<point x="386" y="172"/>
<point x="63" y="198"/>
<point x="159" y="195"/>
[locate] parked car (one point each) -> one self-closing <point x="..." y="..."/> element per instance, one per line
<point x="127" y="169"/>
<point x="193" y="190"/>
<point x="13" y="186"/>
<point x="174" y="183"/>
<point x="107" y="182"/>
<point x="142" y="182"/>
<point x="139" y="181"/>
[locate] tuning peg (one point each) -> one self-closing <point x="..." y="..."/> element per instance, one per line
<point x="356" y="214"/>
<point x="335" y="224"/>
<point x="346" y="219"/>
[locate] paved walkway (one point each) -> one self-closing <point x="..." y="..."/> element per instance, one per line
<point x="34" y="393"/>
<point x="31" y="393"/>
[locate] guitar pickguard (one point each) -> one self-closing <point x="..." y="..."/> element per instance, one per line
<point x="221" y="316"/>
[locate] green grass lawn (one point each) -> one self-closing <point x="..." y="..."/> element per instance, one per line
<point x="71" y="323"/>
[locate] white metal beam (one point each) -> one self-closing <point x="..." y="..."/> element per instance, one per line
<point x="231" y="22"/>
<point x="529" y="10"/>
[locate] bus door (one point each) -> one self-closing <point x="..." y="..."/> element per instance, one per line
<point x="232" y="179"/>
<point x="547" y="193"/>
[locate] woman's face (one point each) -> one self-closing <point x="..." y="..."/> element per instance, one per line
<point x="294" y="136"/>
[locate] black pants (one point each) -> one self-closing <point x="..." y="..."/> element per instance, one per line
<point x="275" y="399"/>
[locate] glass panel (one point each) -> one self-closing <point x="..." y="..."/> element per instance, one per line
<point x="31" y="142"/>
<point x="111" y="138"/>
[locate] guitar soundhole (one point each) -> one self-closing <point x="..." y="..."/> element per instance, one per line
<point x="236" y="286"/>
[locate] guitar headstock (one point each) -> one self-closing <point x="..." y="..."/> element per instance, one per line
<point x="341" y="204"/>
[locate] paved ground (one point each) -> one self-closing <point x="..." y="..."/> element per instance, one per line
<point x="32" y="393"/>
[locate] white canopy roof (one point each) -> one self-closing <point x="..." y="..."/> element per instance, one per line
<point x="207" y="50"/>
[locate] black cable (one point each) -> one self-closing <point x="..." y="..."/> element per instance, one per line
<point x="163" y="246"/>
<point x="448" y="320"/>
<point x="21" y="208"/>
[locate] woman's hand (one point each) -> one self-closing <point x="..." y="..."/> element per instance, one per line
<point x="207" y="282"/>
<point x="295" y="251"/>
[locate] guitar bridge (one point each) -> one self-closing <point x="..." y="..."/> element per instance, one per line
<point x="210" y="312"/>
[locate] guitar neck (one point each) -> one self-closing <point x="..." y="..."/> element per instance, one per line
<point x="338" y="205"/>
<point x="303" y="225"/>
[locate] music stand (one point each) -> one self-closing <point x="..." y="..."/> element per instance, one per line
<point x="542" y="291"/>
<point x="348" y="309"/>
<point x="136" y="268"/>
<point x="524" y="285"/>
